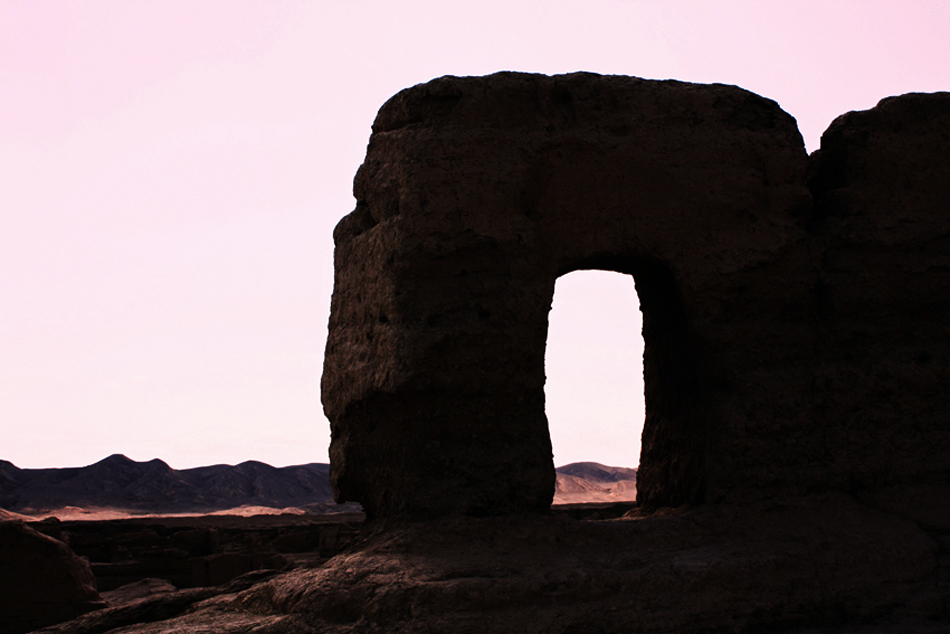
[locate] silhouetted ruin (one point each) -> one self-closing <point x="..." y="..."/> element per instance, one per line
<point x="795" y="308"/>
<point x="795" y="474"/>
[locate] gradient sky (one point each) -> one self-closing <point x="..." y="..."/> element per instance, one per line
<point x="171" y="172"/>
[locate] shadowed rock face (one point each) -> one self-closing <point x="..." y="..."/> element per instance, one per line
<point x="42" y="581"/>
<point x="771" y="324"/>
<point x="881" y="225"/>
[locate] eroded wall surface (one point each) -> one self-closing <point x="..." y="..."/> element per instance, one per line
<point x="795" y="308"/>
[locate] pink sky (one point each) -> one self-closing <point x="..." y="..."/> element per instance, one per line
<point x="171" y="171"/>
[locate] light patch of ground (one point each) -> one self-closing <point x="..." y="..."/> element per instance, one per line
<point x="249" y="511"/>
<point x="9" y="515"/>
<point x="574" y="490"/>
<point x="76" y="513"/>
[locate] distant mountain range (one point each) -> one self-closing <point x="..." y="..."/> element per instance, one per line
<point x="154" y="487"/>
<point x="118" y="482"/>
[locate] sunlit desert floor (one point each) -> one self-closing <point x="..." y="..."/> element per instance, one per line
<point x="76" y="513"/>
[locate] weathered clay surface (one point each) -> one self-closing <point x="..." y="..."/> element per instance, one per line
<point x="792" y="343"/>
<point x="41" y="580"/>
<point x="476" y="194"/>
<point x="881" y="416"/>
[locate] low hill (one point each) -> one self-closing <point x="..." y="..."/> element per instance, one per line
<point x="581" y="482"/>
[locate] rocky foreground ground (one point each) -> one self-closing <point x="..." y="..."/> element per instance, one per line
<point x="124" y="565"/>
<point x="823" y="563"/>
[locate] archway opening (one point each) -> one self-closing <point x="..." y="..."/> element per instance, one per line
<point x="594" y="396"/>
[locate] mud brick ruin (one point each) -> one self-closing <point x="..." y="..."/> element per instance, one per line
<point x="796" y="309"/>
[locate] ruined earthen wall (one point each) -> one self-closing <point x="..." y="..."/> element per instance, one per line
<point x="477" y="193"/>
<point x="881" y="224"/>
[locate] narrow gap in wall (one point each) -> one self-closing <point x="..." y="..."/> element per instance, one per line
<point x="594" y="387"/>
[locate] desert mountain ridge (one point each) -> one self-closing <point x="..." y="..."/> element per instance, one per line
<point x="584" y="482"/>
<point x="153" y="486"/>
<point x="117" y="482"/>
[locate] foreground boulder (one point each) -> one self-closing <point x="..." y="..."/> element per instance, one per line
<point x="41" y="580"/>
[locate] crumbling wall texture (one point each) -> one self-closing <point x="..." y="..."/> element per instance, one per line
<point x="881" y="227"/>
<point x="795" y="308"/>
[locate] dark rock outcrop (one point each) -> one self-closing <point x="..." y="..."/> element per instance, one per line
<point x="41" y="580"/>
<point x="205" y="551"/>
<point x="160" y="603"/>
<point x="138" y="591"/>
